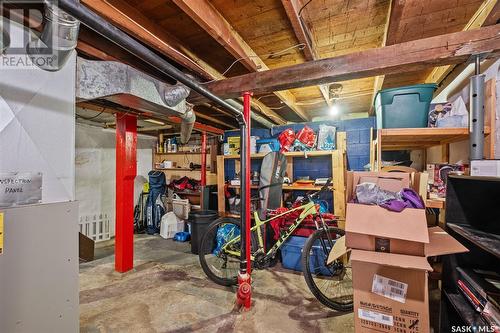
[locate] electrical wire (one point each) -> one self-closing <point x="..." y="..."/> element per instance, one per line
<point x="300" y="46"/>
<point x="89" y="118"/>
<point x="302" y="8"/>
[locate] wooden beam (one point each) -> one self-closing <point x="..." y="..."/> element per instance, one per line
<point x="170" y="119"/>
<point x="132" y="21"/>
<point x="139" y="26"/>
<point x="410" y="56"/>
<point x="394" y="13"/>
<point x="477" y="20"/>
<point x="207" y="16"/>
<point x="292" y="8"/>
<point x="90" y="50"/>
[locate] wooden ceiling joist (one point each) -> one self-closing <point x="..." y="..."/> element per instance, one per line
<point x="129" y="19"/>
<point x="292" y="9"/>
<point x="416" y="55"/>
<point x="477" y="20"/>
<point x="207" y="16"/>
<point x="394" y="15"/>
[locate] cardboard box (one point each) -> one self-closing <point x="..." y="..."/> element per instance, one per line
<point x="373" y="228"/>
<point x="234" y="145"/>
<point x="489" y="168"/>
<point x="391" y="291"/>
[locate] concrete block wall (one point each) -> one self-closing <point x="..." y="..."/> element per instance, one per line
<point x="358" y="147"/>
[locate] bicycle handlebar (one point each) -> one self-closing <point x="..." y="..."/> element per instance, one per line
<point x="325" y="188"/>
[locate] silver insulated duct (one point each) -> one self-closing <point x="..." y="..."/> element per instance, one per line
<point x="126" y="86"/>
<point x="58" y="39"/>
<point x="4" y="39"/>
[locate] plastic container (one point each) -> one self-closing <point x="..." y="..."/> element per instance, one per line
<point x="291" y="255"/>
<point x="268" y="145"/>
<point x="182" y="236"/>
<point x="200" y="220"/>
<point x="180" y="207"/>
<point x="170" y="225"/>
<point x="404" y="107"/>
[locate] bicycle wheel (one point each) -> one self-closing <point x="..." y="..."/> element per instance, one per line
<point x="220" y="266"/>
<point x="332" y="284"/>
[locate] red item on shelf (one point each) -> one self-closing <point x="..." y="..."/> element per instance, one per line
<point x="306" y="136"/>
<point x="286" y="139"/>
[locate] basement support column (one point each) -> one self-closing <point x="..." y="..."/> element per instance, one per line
<point x="476" y="116"/>
<point x="126" y="170"/>
<point x="205" y="195"/>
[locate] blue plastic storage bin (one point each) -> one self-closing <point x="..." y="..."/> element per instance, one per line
<point x="273" y="144"/>
<point x="291" y="255"/>
<point x="404" y="107"/>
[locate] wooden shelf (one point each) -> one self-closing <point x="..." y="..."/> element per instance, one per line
<point x="465" y="309"/>
<point x="253" y="187"/>
<point x="178" y="169"/>
<point x="419" y="138"/>
<point x="291" y="154"/>
<point x="336" y="158"/>
<point x="182" y="153"/>
<point x="486" y="241"/>
<point x="196" y="194"/>
<point x="287" y="187"/>
<point x="303" y="188"/>
<point x="434" y="203"/>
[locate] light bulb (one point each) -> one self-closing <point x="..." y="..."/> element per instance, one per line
<point x="334" y="110"/>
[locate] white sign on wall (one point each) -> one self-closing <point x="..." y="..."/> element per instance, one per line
<point x="20" y="188"/>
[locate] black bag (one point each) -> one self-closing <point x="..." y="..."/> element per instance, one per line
<point x="272" y="172"/>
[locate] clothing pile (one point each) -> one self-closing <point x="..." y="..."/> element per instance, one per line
<point x="371" y="194"/>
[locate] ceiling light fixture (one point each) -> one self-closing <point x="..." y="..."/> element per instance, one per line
<point x="153" y="121"/>
<point x="334" y="110"/>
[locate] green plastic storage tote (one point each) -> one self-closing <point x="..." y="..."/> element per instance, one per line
<point x="404" y="107"/>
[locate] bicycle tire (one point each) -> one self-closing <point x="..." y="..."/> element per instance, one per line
<point x="205" y="243"/>
<point x="308" y="275"/>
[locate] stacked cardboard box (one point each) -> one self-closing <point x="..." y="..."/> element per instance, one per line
<point x="389" y="259"/>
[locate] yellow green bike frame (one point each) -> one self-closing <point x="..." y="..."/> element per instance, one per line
<point x="308" y="209"/>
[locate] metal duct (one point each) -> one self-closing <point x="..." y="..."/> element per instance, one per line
<point x="4" y="39"/>
<point x="175" y="94"/>
<point x="115" y="35"/>
<point x="57" y="40"/>
<point x="187" y="125"/>
<point x="126" y="86"/>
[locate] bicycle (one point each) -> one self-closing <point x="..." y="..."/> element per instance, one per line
<point x="220" y="253"/>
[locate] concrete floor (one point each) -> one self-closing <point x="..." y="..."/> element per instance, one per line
<point x="168" y="292"/>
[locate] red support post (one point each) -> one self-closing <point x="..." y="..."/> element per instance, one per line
<point x="246" y="114"/>
<point x="244" y="294"/>
<point x="204" y="159"/>
<point x="126" y="170"/>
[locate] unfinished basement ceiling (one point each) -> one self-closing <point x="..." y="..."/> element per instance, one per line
<point x="264" y="28"/>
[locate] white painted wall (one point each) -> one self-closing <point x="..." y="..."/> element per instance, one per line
<point x="37" y="123"/>
<point x="95" y="170"/>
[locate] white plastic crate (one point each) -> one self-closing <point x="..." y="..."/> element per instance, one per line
<point x="181" y="207"/>
<point x="170" y="225"/>
<point x="95" y="226"/>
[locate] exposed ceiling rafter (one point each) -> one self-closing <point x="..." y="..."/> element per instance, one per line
<point x="477" y="20"/>
<point x="303" y="35"/>
<point x="136" y="24"/>
<point x="416" y="55"/>
<point x="207" y="16"/>
<point x="394" y="14"/>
